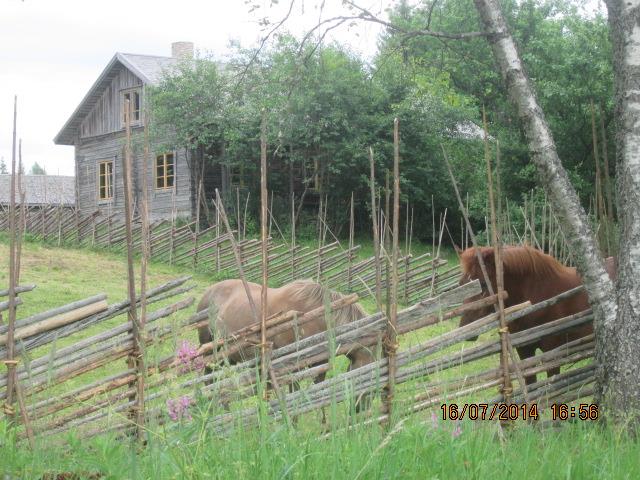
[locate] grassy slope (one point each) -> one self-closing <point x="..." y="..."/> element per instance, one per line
<point x="65" y="275"/>
<point x="420" y="449"/>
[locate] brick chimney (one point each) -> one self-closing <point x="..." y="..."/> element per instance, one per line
<point x="182" y="50"/>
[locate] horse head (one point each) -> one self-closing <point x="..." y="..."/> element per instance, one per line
<point x="471" y="270"/>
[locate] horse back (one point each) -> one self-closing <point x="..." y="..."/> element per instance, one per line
<point x="221" y="292"/>
<point x="575" y="304"/>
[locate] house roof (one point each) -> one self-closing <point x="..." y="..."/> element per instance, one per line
<point x="149" y="68"/>
<point x="41" y="190"/>
<point x="467" y="130"/>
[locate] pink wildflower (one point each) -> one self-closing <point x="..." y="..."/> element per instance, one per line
<point x="457" y="431"/>
<point x="434" y="420"/>
<point x="178" y="409"/>
<point x="188" y="358"/>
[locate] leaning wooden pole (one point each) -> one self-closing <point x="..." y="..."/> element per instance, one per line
<point x="351" y="238"/>
<point x="144" y="218"/>
<point x="22" y="215"/>
<point x="599" y="198"/>
<point x="236" y="253"/>
<point x="605" y="157"/>
<point x="136" y="360"/>
<point x="293" y="236"/>
<point x="376" y="231"/>
<point x="264" y="199"/>
<point x="10" y="361"/>
<point x="387" y="242"/>
<point x="507" y="388"/>
<point x="392" y="322"/>
<point x="472" y="236"/>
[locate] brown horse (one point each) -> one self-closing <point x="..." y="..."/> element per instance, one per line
<point x="229" y="299"/>
<point x="530" y="274"/>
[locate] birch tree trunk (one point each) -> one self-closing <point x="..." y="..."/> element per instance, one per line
<point x="622" y="346"/>
<point x="555" y="181"/>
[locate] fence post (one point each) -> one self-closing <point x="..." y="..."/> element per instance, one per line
<point x="264" y="199"/>
<point x="392" y="321"/>
<point x="350" y="251"/>
<point x="376" y="230"/>
<point x="507" y="388"/>
<point x="136" y="357"/>
<point x="10" y="361"/>
<point x="293" y="236"/>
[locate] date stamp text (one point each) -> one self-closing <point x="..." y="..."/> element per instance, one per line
<point x="511" y="412"/>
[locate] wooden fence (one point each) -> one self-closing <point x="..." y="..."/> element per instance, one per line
<point x="209" y="249"/>
<point x="62" y="393"/>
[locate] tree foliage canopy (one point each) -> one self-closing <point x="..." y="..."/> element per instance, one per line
<point x="324" y="106"/>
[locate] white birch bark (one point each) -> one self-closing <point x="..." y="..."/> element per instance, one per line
<point x="553" y="177"/>
<point x="622" y="348"/>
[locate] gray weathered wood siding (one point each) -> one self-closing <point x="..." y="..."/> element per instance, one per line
<point x="106" y="115"/>
<point x="90" y="152"/>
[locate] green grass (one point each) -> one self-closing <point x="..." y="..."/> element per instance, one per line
<point x="421" y="448"/>
<point x="65" y="275"/>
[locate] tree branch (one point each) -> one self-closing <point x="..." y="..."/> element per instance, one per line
<point x="370" y="17"/>
<point x="431" y="7"/>
<point x="264" y="41"/>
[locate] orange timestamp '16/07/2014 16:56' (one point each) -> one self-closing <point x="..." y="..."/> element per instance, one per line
<point x="514" y="411"/>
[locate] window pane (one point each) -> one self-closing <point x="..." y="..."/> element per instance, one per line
<point x="170" y="181"/>
<point x="105" y="180"/>
<point x="136" y="106"/>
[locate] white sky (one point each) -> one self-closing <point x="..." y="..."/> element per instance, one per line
<point x="51" y="52"/>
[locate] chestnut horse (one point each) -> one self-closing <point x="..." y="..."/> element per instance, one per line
<point x="229" y="299"/>
<point x="530" y="274"/>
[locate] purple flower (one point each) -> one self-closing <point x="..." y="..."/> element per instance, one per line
<point x="188" y="358"/>
<point x="434" y="420"/>
<point x="457" y="431"/>
<point x="178" y="409"/>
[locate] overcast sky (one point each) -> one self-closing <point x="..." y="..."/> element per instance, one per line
<point x="51" y="52"/>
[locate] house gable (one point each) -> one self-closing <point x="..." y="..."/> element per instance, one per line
<point x="99" y="112"/>
<point x="106" y="116"/>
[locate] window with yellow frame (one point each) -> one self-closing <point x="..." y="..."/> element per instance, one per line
<point x="134" y="97"/>
<point x="165" y="171"/>
<point x="105" y="180"/>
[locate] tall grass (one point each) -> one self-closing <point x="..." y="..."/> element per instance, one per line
<point x="417" y="449"/>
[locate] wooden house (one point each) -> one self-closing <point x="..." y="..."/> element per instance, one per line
<point x="97" y="130"/>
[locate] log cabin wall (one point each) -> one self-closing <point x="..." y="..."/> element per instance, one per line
<point x="90" y="152"/>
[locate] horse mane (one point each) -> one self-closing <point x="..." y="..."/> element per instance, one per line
<point x="522" y="260"/>
<point x="309" y="290"/>
<point x="517" y="260"/>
